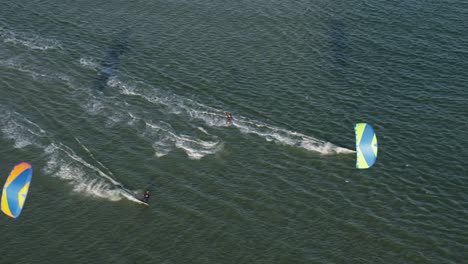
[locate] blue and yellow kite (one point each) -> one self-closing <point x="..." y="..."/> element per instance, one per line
<point x="366" y="145"/>
<point x="16" y="189"/>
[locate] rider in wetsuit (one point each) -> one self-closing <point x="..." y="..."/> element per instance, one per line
<point x="228" y="117"/>
<point x="146" y="197"/>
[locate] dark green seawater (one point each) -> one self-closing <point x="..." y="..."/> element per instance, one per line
<point x="108" y="98"/>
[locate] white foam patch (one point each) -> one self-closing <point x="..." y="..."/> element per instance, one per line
<point x="29" y="40"/>
<point x="133" y="119"/>
<point x="21" y="131"/>
<point x="196" y="148"/>
<point x="93" y="106"/>
<point x="132" y="89"/>
<point x="167" y="139"/>
<point x="16" y="64"/>
<point x="202" y="130"/>
<point x="98" y="189"/>
<point x="90" y="63"/>
<point x="17" y="136"/>
<point x="213" y="118"/>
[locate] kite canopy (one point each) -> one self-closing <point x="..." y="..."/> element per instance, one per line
<point x="366" y="145"/>
<point x="16" y="189"/>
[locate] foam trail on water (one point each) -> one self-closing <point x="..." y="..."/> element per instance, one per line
<point x="94" y="186"/>
<point x="20" y="130"/>
<point x="37" y="73"/>
<point x="164" y="137"/>
<point x="127" y="193"/>
<point x="287" y="137"/>
<point x="29" y="40"/>
<point x="92" y="156"/>
<point x="62" y="161"/>
<point x="215" y="118"/>
<point x="67" y="150"/>
<point x="16" y="64"/>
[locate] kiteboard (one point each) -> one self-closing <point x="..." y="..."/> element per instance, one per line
<point x="134" y="198"/>
<point x="142" y="202"/>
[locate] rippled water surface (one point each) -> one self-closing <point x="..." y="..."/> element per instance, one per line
<point x="109" y="98"/>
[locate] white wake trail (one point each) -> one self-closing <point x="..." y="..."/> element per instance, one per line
<point x="120" y="189"/>
<point x="62" y="161"/>
<point x="130" y="195"/>
<point x="215" y="118"/>
<point x="92" y="156"/>
<point x="29" y="40"/>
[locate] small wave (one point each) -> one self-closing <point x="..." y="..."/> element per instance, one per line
<point x="29" y="40"/>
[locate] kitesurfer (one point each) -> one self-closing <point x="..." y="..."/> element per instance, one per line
<point x="146" y="197"/>
<point x="228" y="117"/>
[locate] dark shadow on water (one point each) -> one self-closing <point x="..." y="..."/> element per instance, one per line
<point x="112" y="59"/>
<point x="339" y="43"/>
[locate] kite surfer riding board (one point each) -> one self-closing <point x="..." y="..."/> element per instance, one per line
<point x="228" y="117"/>
<point x="146" y="197"/>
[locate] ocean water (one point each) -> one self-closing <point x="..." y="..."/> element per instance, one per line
<point x="107" y="99"/>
